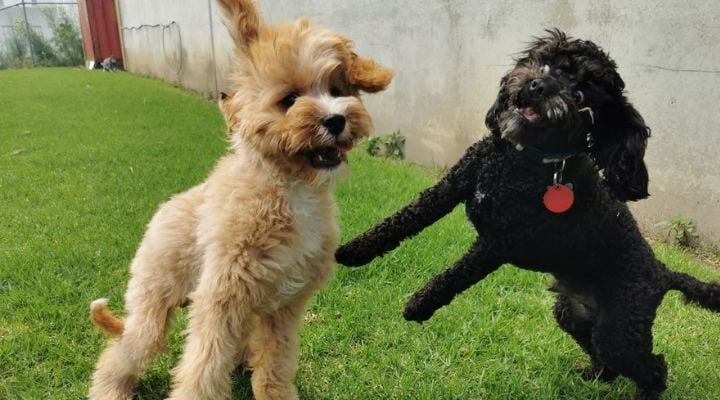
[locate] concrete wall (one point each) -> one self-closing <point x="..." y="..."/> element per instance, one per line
<point x="449" y="56"/>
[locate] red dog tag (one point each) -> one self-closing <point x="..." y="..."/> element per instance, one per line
<point x="558" y="198"/>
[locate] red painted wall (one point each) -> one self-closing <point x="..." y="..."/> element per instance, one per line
<point x="99" y="26"/>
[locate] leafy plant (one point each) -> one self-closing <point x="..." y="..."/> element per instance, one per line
<point x="63" y="49"/>
<point x="66" y="37"/>
<point x="16" y="53"/>
<point x="391" y="146"/>
<point x="680" y="231"/>
<point x="374" y="145"/>
<point x="42" y="50"/>
<point x="395" y="145"/>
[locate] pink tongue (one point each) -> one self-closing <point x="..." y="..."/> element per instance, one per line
<point x="529" y="114"/>
<point x="344" y="148"/>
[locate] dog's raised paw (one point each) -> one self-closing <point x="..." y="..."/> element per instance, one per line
<point x="416" y="311"/>
<point x="348" y="256"/>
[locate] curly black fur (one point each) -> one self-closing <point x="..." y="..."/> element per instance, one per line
<point x="608" y="281"/>
<point x="619" y="135"/>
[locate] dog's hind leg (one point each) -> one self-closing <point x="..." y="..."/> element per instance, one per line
<point x="623" y="340"/>
<point x="274" y="352"/>
<point x="705" y="295"/>
<point x="439" y="291"/>
<point x="163" y="272"/>
<point x="575" y="319"/>
<point x="126" y="357"/>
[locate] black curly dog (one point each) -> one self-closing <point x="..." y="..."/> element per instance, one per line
<point x="560" y="123"/>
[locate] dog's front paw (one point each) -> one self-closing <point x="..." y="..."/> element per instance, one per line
<point x="418" y="310"/>
<point x="643" y="394"/>
<point x="352" y="255"/>
<point x="593" y="372"/>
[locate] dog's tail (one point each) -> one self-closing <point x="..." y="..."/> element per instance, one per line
<point x="706" y="295"/>
<point x="104" y="318"/>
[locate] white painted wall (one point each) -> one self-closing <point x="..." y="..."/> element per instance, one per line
<point x="449" y="56"/>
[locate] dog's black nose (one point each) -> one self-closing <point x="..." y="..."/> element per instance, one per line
<point x="543" y="87"/>
<point x="537" y="86"/>
<point x="335" y="124"/>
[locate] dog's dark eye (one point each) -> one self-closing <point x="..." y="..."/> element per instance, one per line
<point x="578" y="96"/>
<point x="289" y="100"/>
<point x="335" y="92"/>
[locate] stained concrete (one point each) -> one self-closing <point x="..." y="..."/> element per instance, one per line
<point x="449" y="56"/>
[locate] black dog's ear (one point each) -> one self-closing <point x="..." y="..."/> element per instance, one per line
<point x="492" y="118"/>
<point x="621" y="152"/>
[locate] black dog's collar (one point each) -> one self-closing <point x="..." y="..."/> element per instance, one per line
<point x="537" y="155"/>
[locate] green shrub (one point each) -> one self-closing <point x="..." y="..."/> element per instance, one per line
<point x="680" y="231"/>
<point x="16" y="53"/>
<point x="42" y="50"/>
<point x="66" y="37"/>
<point x="374" y="145"/>
<point x="63" y="49"/>
<point x="391" y="146"/>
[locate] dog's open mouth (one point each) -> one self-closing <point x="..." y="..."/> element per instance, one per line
<point x="328" y="157"/>
<point x="529" y="113"/>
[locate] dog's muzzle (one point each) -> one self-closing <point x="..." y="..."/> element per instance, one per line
<point x="335" y="124"/>
<point x="543" y="88"/>
<point x="328" y="157"/>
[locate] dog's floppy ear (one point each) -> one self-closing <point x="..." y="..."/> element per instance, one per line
<point x="223" y="102"/>
<point x="621" y="153"/>
<point x="242" y="21"/>
<point x="226" y="109"/>
<point x="492" y="118"/>
<point x="367" y="75"/>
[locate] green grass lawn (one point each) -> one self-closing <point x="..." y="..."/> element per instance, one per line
<point x="86" y="157"/>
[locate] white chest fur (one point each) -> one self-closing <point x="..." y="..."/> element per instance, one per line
<point x="315" y="220"/>
<point x="306" y="262"/>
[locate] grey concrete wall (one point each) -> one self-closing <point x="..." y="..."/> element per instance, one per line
<point x="170" y="40"/>
<point x="449" y="56"/>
